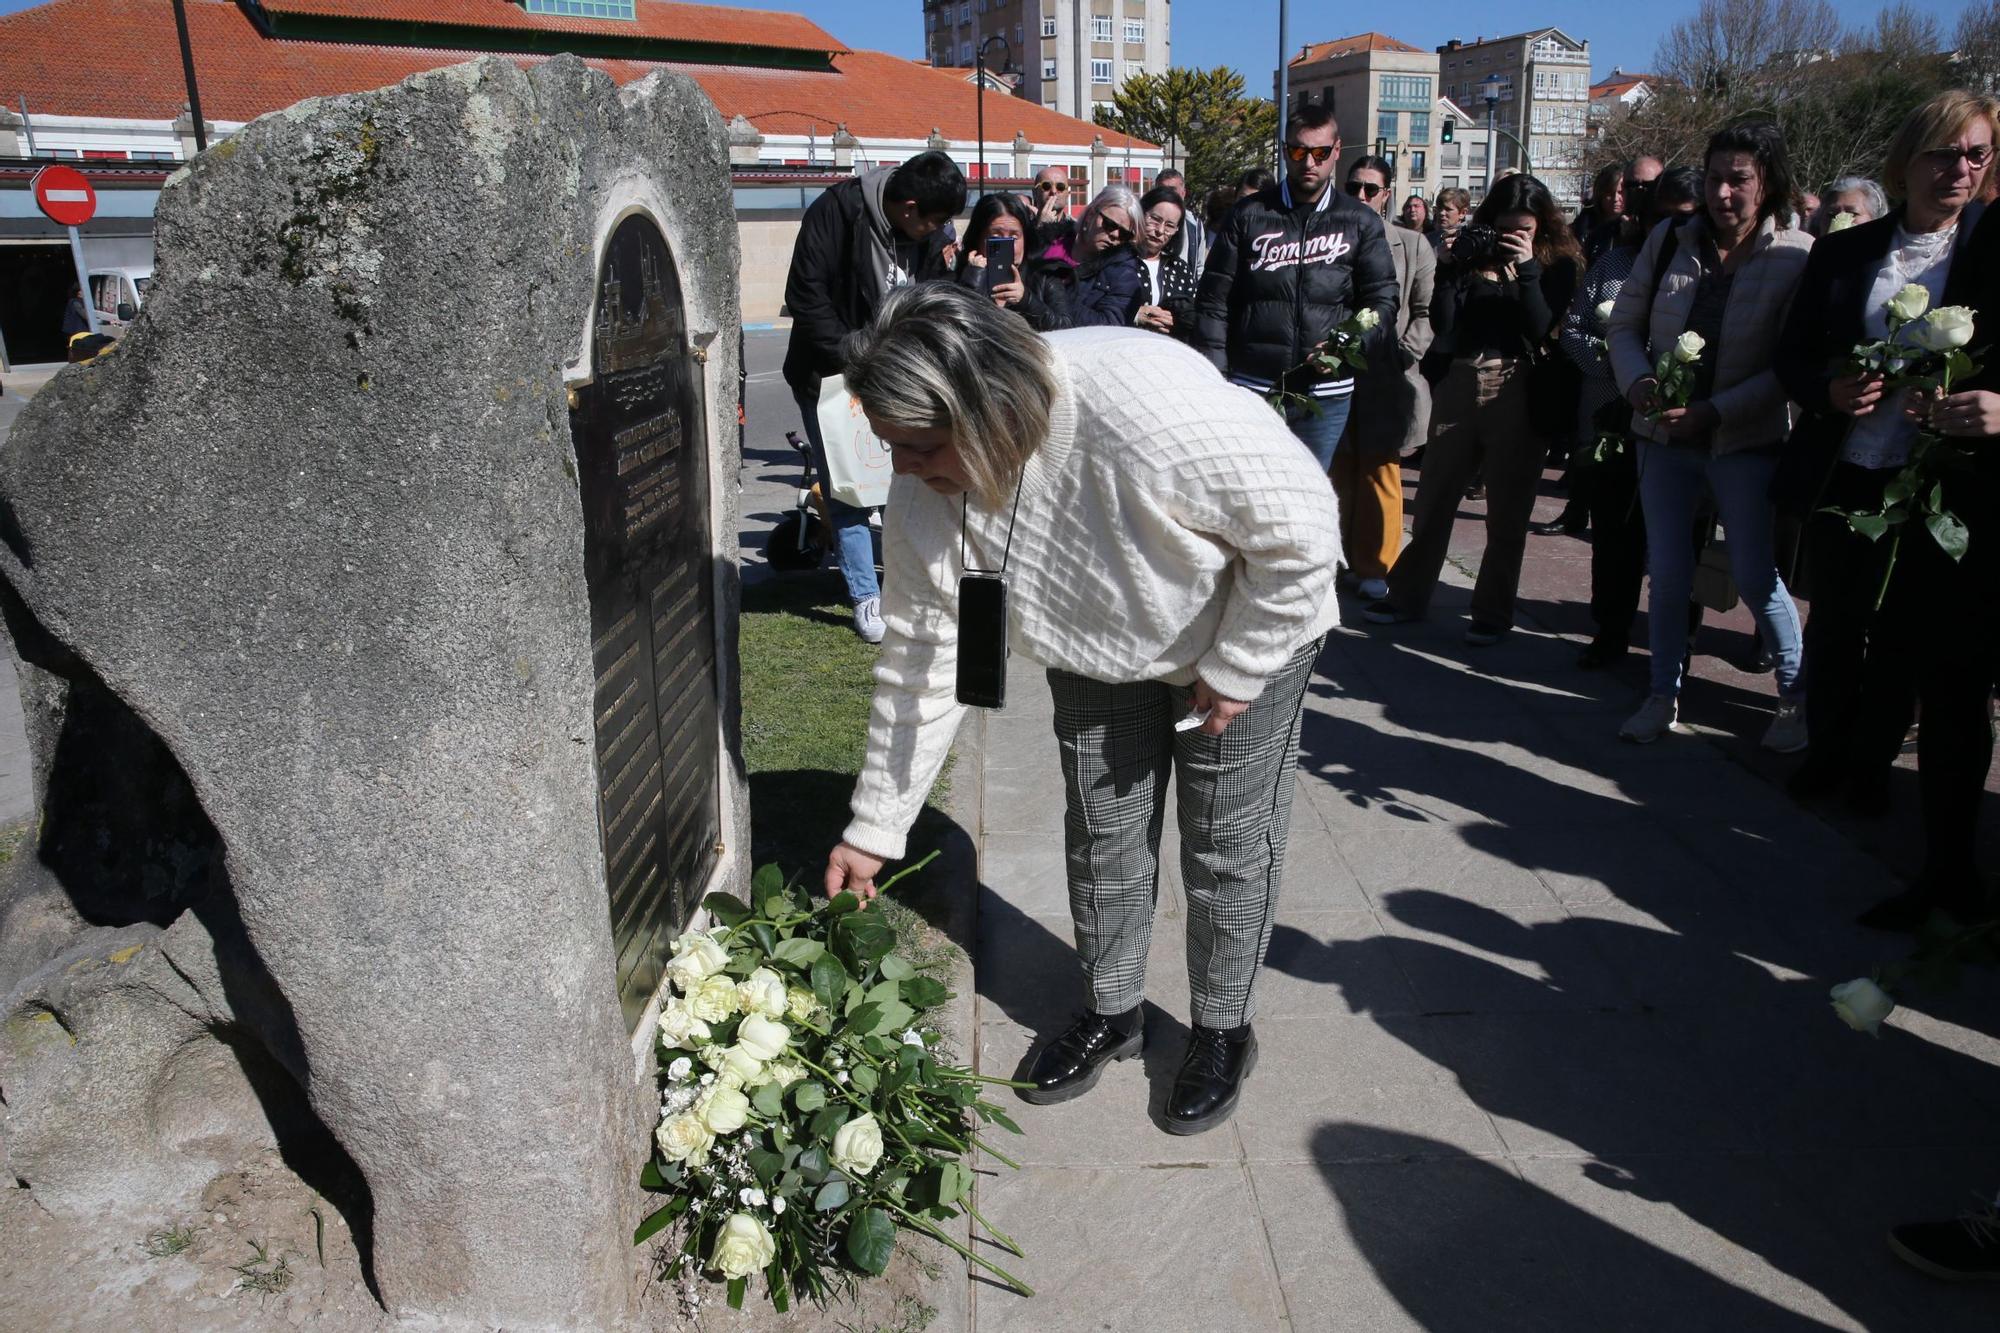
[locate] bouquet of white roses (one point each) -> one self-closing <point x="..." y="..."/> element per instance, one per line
<point x="1924" y="352"/>
<point x="1343" y="346"/>
<point x="805" y="1115"/>
<point x="1673" y="376"/>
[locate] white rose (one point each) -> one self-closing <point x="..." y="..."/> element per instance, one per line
<point x="761" y="1037"/>
<point x="1909" y="303"/>
<point x="1689" y="347"/>
<point x="697" y="954"/>
<point x="784" y="1073"/>
<point x="1604" y="309"/>
<point x="1841" y="222"/>
<point x="762" y="992"/>
<point x="1944" y="328"/>
<point x="1862" y="1004"/>
<point x="912" y="1037"/>
<point x="1367" y="318"/>
<point x="723" y="1109"/>
<point x="679" y="1027"/>
<point x="801" y="1004"/>
<point x="739" y="1069"/>
<point x="678" y="1070"/>
<point x="684" y="1138"/>
<point x="713" y="999"/>
<point x="857" y="1146"/>
<point x="744" y="1247"/>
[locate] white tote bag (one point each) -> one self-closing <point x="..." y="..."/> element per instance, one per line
<point x="857" y="463"/>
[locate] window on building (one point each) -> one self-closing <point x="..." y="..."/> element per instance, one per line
<point x="982" y="6"/>
<point x="1475" y="156"/>
<point x="1048" y="70"/>
<point x="1420" y="127"/>
<point x="965" y="12"/>
<point x="1133" y="68"/>
<point x="1448" y="156"/>
<point x="581" y="9"/>
<point x="148" y="156"/>
<point x="1388" y="126"/>
<point x="1100" y="71"/>
<point x="965" y="53"/>
<point x="1018" y="43"/>
<point x="1100" y="27"/>
<point x="1135" y="31"/>
<point x="1417" y="166"/>
<point x="1048" y="25"/>
<point x="1406" y="92"/>
<point x="930" y="21"/>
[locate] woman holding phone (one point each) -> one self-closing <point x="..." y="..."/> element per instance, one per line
<point x="994" y="260"/>
<point x="1168" y="552"/>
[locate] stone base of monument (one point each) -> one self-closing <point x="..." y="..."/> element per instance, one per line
<point x="376" y="606"/>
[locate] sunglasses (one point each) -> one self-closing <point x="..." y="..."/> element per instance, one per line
<point x="1944" y="159"/>
<point x="1050" y="187"/>
<point x="1112" y="229"/>
<point x="1362" y="190"/>
<point x="1298" y="152"/>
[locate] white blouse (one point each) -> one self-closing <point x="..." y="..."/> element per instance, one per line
<point x="1882" y="439"/>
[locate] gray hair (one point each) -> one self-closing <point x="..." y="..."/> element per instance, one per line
<point x="1878" y="202"/>
<point x="941" y="357"/>
<point x="1111" y="196"/>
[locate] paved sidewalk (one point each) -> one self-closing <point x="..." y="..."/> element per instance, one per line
<point x="1545" y="1039"/>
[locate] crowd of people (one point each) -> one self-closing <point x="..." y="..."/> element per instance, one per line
<point x="1684" y="345"/>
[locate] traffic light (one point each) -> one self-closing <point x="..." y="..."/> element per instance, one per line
<point x="1381" y="148"/>
<point x="1450" y="127"/>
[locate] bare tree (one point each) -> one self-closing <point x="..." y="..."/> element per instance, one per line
<point x="1901" y="33"/>
<point x="1729" y="40"/>
<point x="1978" y="42"/>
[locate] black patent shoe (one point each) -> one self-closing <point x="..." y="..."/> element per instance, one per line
<point x="1211" y="1078"/>
<point x="1070" y="1065"/>
<point x="1963" y="1250"/>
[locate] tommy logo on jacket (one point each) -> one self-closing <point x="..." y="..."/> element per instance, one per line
<point x="1272" y="251"/>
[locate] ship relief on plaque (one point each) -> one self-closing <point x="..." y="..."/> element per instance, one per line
<point x="642" y="461"/>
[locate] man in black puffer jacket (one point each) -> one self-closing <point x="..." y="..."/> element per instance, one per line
<point x="1294" y="262"/>
<point x="859" y="241"/>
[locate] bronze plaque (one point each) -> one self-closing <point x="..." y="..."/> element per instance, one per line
<point x="642" y="462"/>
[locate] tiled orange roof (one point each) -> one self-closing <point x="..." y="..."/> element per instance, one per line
<point x="106" y="58"/>
<point x="1618" y="84"/>
<point x="652" y="19"/>
<point x="1347" y="46"/>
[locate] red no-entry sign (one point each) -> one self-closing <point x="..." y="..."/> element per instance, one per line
<point x="65" y="196"/>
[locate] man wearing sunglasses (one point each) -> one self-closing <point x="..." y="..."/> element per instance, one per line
<point x="1295" y="260"/>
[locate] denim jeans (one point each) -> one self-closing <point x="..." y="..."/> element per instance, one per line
<point x="853" y="540"/>
<point x="1320" y="431"/>
<point x="1671" y="481"/>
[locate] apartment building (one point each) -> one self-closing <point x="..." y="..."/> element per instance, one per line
<point x="1537" y="84"/>
<point x="1463" y="163"/>
<point x="1069" y="55"/>
<point x="1383" y="93"/>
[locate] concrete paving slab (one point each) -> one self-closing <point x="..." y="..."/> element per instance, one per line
<point x="1360" y="1074"/>
<point x="1521" y="958"/>
<point x="1323" y="964"/>
<point x="1471" y="861"/>
<point x="1030" y="975"/>
<point x="1171" y="1248"/>
<point x="1024" y="800"/>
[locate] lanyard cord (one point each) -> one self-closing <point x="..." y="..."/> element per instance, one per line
<point x="964" y="558"/>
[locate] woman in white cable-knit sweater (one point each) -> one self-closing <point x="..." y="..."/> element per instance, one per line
<point x="1168" y="547"/>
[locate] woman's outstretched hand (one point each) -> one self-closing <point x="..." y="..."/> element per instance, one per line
<point x="851" y="870"/>
<point x="1221" y="712"/>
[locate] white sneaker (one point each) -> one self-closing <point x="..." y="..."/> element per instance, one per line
<point x="1656" y="717"/>
<point x="868" y="619"/>
<point x="1787" y="732"/>
<point x="1375" y="590"/>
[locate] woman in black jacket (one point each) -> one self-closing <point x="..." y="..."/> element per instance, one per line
<point x="1167" y="303"/>
<point x="1040" y="290"/>
<point x="1500" y="289"/>
<point x="1109" y="286"/>
<point x="1866" y="667"/>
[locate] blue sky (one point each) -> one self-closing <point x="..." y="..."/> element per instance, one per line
<point x="1244" y="33"/>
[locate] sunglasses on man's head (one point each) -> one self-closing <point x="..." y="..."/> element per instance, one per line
<point x="1298" y="152"/>
<point x="1363" y="190"/>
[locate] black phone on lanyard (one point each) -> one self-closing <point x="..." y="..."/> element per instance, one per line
<point x="982" y="640"/>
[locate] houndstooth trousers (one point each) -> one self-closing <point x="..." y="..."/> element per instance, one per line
<point x="1235" y="790"/>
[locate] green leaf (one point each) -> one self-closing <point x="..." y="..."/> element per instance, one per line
<point x="925" y="992"/>
<point x="895" y="967"/>
<point x="831" y="1195"/>
<point x="829" y="980"/>
<point x="659" y="1221"/>
<point x="1949" y="534"/>
<point x="813" y="1165"/>
<point x="1896" y="492"/>
<point x="1871" y="526"/>
<point x="884" y="992"/>
<point x="864" y="1079"/>
<point x="776" y="906"/>
<point x="1000" y="1118"/>
<point x="800" y="952"/>
<point x="862" y="1018"/>
<point x="871" y="1240"/>
<point x="809" y="1097"/>
<point x="768" y="880"/>
<point x="730" y="911"/>
<point x="842" y="903"/>
<point x="768" y="1165"/>
<point x="769" y="1099"/>
<point x="827" y="1122"/>
<point x="650" y="1178"/>
<point x="737" y="1286"/>
<point x="891" y="1017"/>
<point x="763" y="934"/>
<point x="954" y="1183"/>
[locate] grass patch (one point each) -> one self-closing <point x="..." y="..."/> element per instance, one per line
<point x="11" y="839"/>
<point x="168" y="1241"/>
<point x="807" y="680"/>
<point x="261" y="1273"/>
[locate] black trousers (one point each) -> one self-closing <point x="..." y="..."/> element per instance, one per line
<point x="1618" y="544"/>
<point x="1861" y="664"/>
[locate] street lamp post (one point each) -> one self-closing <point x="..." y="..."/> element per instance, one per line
<point x="187" y="70"/>
<point x="1491" y="85"/>
<point x="979" y="67"/>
